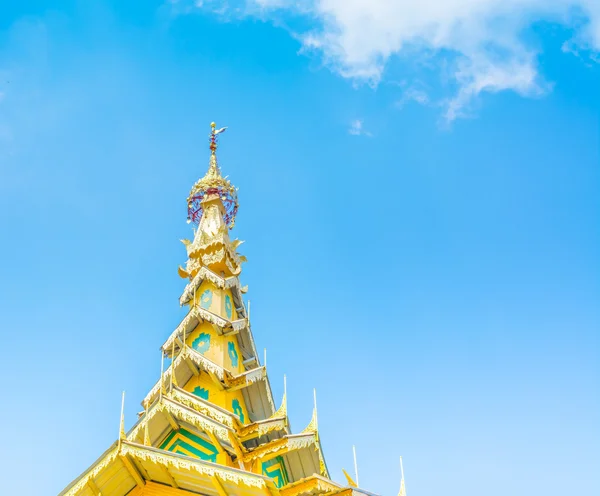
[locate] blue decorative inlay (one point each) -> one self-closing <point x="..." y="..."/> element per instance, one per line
<point x="206" y="299"/>
<point x="237" y="409"/>
<point x="233" y="354"/>
<point x="201" y="392"/>
<point x="201" y="343"/>
<point x="228" y="306"/>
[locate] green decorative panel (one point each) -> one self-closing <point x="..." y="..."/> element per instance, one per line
<point x="201" y="392"/>
<point x="233" y="354"/>
<point x="206" y="299"/>
<point x="228" y="307"/>
<point x="275" y="469"/>
<point x="202" y="342"/>
<point x="238" y="410"/>
<point x="184" y="442"/>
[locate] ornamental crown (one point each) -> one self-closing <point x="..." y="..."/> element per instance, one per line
<point x="213" y="183"/>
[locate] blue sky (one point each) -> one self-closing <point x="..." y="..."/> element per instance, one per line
<point x="420" y="200"/>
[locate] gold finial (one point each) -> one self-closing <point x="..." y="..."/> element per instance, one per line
<point x="355" y="466"/>
<point x="213" y="183"/>
<point x="162" y="371"/>
<point x="173" y="378"/>
<point x="122" y="420"/>
<point x="146" y="430"/>
<point x="214" y="133"/>
<point x="402" y="485"/>
<point x="316" y="416"/>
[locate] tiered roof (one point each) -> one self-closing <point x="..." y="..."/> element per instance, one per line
<point x="209" y="424"/>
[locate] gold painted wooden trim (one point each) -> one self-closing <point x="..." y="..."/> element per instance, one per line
<point x="218" y="485"/>
<point x="133" y="471"/>
<point x="94" y="488"/>
<point x="169" y="476"/>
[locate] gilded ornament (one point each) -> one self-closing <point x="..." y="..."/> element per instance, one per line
<point x="213" y="183"/>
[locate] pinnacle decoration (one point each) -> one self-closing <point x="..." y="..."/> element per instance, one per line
<point x="213" y="183"/>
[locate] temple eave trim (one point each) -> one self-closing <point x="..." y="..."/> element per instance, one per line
<point x="309" y="484"/>
<point x="183" y="413"/>
<point x="198" y="315"/>
<point x="286" y="444"/>
<point x="223" y="378"/>
<point x="180" y="469"/>
<point x="205" y="274"/>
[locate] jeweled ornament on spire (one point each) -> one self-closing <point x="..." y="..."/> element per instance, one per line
<point x="213" y="183"/>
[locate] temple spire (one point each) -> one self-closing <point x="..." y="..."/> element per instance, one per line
<point x="122" y="419"/>
<point x="209" y="423"/>
<point x="402" y="486"/>
<point x="213" y="165"/>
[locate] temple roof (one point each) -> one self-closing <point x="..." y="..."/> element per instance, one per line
<point x="202" y="414"/>
<point x="254" y="383"/>
<point x="126" y="465"/>
<point x="205" y="274"/>
<point x="224" y="326"/>
<point x="301" y="452"/>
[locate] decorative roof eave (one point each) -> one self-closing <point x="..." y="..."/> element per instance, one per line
<point x="309" y="484"/>
<point x="235" y="382"/>
<point x="79" y="484"/>
<point x="185" y="354"/>
<point x="291" y="442"/>
<point x="205" y="407"/>
<point x="201" y="257"/>
<point x="168" y="406"/>
<point x="263" y="427"/>
<point x="245" y="432"/>
<point x="206" y="274"/>
<point x="223" y="472"/>
<point x="197" y="315"/>
<point x="225" y="378"/>
<point x="277" y="422"/>
<point x="313" y="427"/>
<point x="351" y="491"/>
<point x="199" y="249"/>
<point x="196" y="469"/>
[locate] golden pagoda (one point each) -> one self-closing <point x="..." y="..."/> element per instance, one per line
<point x="209" y="425"/>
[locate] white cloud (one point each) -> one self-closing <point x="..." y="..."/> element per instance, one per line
<point x="480" y="40"/>
<point x="413" y="94"/>
<point x="357" y="128"/>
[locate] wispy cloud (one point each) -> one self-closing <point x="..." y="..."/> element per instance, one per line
<point x="413" y="94"/>
<point x="480" y="41"/>
<point x="357" y="128"/>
